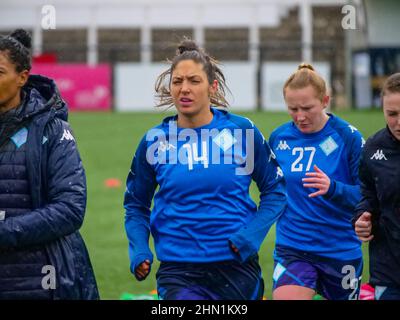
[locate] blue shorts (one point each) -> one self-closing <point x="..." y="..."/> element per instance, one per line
<point x="333" y="279"/>
<point x="227" y="280"/>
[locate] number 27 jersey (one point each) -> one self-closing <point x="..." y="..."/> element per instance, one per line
<point x="320" y="225"/>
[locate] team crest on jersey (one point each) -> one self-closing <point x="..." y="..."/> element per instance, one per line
<point x="282" y="145"/>
<point x="20" y="137"/>
<point x="225" y="140"/>
<point x="328" y="146"/>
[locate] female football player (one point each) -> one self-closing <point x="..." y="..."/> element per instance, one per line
<point x="317" y="250"/>
<point x="378" y="214"/>
<point x="206" y="229"/>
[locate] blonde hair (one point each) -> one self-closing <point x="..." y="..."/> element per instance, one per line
<point x="391" y="85"/>
<point x="305" y="76"/>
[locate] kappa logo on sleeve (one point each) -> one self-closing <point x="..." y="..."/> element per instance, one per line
<point x="279" y="173"/>
<point x="67" y="136"/>
<point x="165" y="146"/>
<point x="271" y="156"/>
<point x="352" y="128"/>
<point x="378" y="155"/>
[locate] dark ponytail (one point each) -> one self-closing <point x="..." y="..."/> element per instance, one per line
<point x="187" y="45"/>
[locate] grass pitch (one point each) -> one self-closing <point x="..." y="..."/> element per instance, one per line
<point x="107" y="142"/>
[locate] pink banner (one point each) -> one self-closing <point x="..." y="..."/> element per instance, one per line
<point x="81" y="86"/>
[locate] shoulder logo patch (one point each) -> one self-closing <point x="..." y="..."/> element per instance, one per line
<point x="352" y="128"/>
<point x="378" y="155"/>
<point x="271" y="156"/>
<point x="362" y="142"/>
<point x="328" y="146"/>
<point x="279" y="173"/>
<point x="67" y="136"/>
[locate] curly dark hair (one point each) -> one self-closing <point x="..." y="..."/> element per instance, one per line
<point x="17" y="46"/>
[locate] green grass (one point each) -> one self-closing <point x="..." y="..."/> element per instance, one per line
<point x="107" y="142"/>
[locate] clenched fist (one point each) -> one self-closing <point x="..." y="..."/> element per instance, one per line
<point x="363" y="227"/>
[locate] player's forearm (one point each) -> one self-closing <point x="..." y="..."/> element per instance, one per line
<point x="343" y="194"/>
<point x="250" y="237"/>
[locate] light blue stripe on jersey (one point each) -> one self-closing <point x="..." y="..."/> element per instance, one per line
<point x="320" y="225"/>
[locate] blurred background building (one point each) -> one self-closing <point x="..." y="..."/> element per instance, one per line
<point x="373" y="50"/>
<point x="259" y="42"/>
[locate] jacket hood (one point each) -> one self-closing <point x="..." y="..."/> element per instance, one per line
<point x="41" y="95"/>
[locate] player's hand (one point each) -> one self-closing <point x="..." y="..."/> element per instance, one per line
<point x="318" y="180"/>
<point x="143" y="269"/>
<point x="363" y="227"/>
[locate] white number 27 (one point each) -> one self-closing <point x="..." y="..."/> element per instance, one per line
<point x="296" y="165"/>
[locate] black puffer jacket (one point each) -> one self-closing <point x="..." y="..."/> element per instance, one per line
<point x="42" y="201"/>
<point x="380" y="187"/>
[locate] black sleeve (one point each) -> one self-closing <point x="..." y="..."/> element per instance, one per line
<point x="369" y="201"/>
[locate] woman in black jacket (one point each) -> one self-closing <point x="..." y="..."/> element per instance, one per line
<point x="42" y="186"/>
<point x="378" y="214"/>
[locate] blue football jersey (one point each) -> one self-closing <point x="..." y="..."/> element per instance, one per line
<point x="203" y="201"/>
<point x="320" y="225"/>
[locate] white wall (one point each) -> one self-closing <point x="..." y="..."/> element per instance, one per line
<point x="134" y="85"/>
<point x="134" y="13"/>
<point x="27" y="14"/>
<point x="383" y="22"/>
<point x="275" y="75"/>
<point x="241" y="80"/>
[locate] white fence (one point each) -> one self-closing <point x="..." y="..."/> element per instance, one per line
<point x="134" y="84"/>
